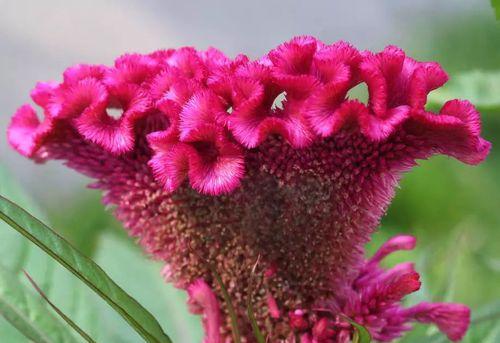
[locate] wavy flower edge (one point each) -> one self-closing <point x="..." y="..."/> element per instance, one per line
<point x="215" y="108"/>
<point x="169" y="134"/>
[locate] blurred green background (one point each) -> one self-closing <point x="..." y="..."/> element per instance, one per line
<point x="453" y="209"/>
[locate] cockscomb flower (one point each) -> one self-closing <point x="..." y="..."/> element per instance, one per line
<point x="215" y="163"/>
<point x="373" y="299"/>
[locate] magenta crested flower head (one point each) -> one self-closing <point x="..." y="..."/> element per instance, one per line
<point x="265" y="171"/>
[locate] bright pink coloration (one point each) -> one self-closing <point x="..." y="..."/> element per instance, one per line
<point x="233" y="161"/>
<point x="374" y="300"/>
<point x="203" y="301"/>
<point x="27" y="132"/>
<point x="452" y="319"/>
<point x="392" y="245"/>
<point x="274" y="311"/>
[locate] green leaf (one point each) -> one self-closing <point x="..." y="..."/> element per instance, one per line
<point x="14" y="251"/>
<point x="361" y="334"/>
<point x="85" y="269"/>
<point x="143" y="279"/>
<point x="255" y="327"/>
<point x="28" y="313"/>
<point x="61" y="314"/>
<point x="109" y="249"/>
<point x="250" y="311"/>
<point x="496" y="7"/>
<point x="17" y="253"/>
<point x="482" y="88"/>
<point x="230" y="308"/>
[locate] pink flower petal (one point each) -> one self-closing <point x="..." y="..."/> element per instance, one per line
<point x="202" y="300"/>
<point x="43" y="92"/>
<point x="378" y="70"/>
<point x="295" y="57"/>
<point x="114" y="134"/>
<point x="131" y="69"/>
<point x="322" y="330"/>
<point x="162" y="82"/>
<point x="213" y="164"/>
<point x="26" y="133"/>
<point x="171" y="166"/>
<point x="292" y="64"/>
<point x="203" y="108"/>
<point x="217" y="166"/>
<point x="427" y="77"/>
<point x="161" y="56"/>
<point x="189" y="63"/>
<point x="273" y="308"/>
<point x="454" y="132"/>
<point x="396" y="243"/>
<point x="320" y="109"/>
<point x="70" y="101"/>
<point x="82" y="71"/>
<point x="451" y="319"/>
<point x="402" y="285"/>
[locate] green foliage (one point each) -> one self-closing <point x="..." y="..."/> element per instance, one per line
<point x="460" y="42"/>
<point x="84" y="268"/>
<point x="361" y="334"/>
<point x="113" y="250"/>
<point x="496" y="7"/>
<point x="227" y="298"/>
<point x="482" y="88"/>
<point x="60" y="313"/>
<point x="17" y="253"/>
<point x="28" y="313"/>
<point x="141" y="276"/>
<point x="83" y="234"/>
<point x="253" y="321"/>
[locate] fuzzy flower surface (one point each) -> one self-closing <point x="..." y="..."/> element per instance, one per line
<point x="215" y="163"/>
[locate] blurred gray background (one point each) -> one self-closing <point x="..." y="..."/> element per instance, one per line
<point x="39" y="39"/>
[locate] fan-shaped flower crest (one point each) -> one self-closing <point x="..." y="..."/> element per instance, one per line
<point x="213" y="161"/>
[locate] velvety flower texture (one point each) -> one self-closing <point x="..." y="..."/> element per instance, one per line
<point x="265" y="171"/>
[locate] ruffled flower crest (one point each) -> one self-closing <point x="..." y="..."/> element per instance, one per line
<point x="236" y="160"/>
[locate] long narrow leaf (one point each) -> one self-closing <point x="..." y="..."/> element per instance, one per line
<point x="143" y="280"/>
<point x="232" y="313"/>
<point x="61" y="314"/>
<point x="28" y="314"/>
<point x="85" y="269"/>
<point x="253" y="321"/>
<point x="250" y="311"/>
<point x="15" y="251"/>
